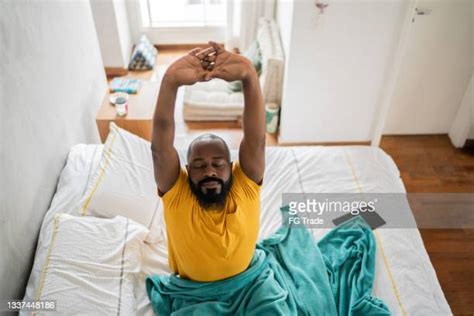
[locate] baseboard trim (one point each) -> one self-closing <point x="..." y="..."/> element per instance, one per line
<point x="359" y="143"/>
<point x="115" y="71"/>
<point x="469" y="143"/>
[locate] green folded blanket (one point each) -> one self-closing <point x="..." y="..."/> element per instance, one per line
<point x="289" y="275"/>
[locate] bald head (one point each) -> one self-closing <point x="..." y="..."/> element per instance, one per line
<point x="208" y="140"/>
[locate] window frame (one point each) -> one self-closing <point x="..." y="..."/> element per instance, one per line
<point x="171" y="34"/>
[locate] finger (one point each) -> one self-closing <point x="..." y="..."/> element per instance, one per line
<point x="194" y="51"/>
<point x="217" y="47"/>
<point x="215" y="73"/>
<point x="210" y="75"/>
<point x="203" y="53"/>
<point x="209" y="66"/>
<point x="210" y="58"/>
<point x="204" y="76"/>
<point x="222" y="58"/>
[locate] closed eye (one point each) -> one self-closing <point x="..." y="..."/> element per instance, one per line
<point x="200" y="166"/>
<point x="219" y="163"/>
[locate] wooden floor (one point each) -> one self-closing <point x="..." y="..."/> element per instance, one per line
<point x="426" y="163"/>
<point x="432" y="164"/>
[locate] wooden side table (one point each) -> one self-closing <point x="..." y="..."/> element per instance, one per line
<point x="139" y="119"/>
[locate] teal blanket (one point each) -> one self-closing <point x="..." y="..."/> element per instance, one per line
<point x="289" y="275"/>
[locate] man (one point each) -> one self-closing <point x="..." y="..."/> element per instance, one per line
<point x="212" y="206"/>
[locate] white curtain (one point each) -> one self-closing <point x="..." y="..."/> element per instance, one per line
<point x="462" y="127"/>
<point x="242" y="17"/>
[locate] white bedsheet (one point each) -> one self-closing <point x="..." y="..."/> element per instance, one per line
<point x="405" y="278"/>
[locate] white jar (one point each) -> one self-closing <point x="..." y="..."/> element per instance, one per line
<point x="121" y="106"/>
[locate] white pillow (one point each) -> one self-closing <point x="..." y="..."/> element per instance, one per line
<point x="91" y="266"/>
<point x="124" y="183"/>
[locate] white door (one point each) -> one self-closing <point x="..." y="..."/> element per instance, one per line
<point x="435" y="70"/>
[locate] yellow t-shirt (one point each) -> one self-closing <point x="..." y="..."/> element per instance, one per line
<point x="208" y="245"/>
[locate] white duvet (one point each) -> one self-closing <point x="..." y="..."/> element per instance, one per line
<point x="405" y="278"/>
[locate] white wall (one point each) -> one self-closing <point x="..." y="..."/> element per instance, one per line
<point x="284" y="18"/>
<point x="51" y="84"/>
<point x="463" y="122"/>
<point x="335" y="68"/>
<point x="462" y="127"/>
<point x="113" y="30"/>
<point x="471" y="134"/>
<point x="123" y="27"/>
<point x="436" y="67"/>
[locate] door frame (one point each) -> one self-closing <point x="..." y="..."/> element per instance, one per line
<point x="386" y="95"/>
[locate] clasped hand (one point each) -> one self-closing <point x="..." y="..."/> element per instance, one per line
<point x="208" y="63"/>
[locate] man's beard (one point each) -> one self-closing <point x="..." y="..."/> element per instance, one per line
<point x="211" y="199"/>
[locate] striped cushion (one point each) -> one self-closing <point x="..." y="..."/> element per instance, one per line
<point x="143" y="56"/>
<point x="91" y="265"/>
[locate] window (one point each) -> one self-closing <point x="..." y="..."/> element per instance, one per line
<point x="183" y="13"/>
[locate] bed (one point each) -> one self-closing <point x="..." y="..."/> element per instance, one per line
<point x="405" y="278"/>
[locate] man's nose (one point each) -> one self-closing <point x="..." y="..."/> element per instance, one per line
<point x="210" y="172"/>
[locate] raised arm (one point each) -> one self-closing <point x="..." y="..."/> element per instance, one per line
<point x="252" y="147"/>
<point x="232" y="67"/>
<point x="185" y="71"/>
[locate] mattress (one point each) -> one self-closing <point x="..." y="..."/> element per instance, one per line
<point x="405" y="278"/>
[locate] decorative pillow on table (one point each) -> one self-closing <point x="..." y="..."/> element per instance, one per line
<point x="253" y="54"/>
<point x="143" y="56"/>
<point x="124" y="183"/>
<point x="91" y="266"/>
